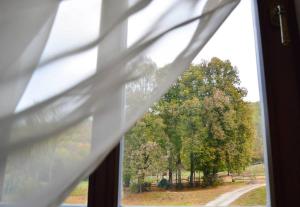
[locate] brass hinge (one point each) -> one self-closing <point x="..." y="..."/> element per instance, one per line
<point x="279" y="19"/>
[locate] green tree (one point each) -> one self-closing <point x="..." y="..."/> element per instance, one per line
<point x="201" y="124"/>
<point x="194" y="133"/>
<point x="258" y="151"/>
<point x="168" y="108"/>
<point x="146" y="137"/>
<point x="224" y="128"/>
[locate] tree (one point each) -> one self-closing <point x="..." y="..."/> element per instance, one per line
<point x="168" y="109"/>
<point x="258" y="151"/>
<point x="146" y="137"/>
<point x="201" y="124"/>
<point x="227" y="118"/>
<point x="225" y="132"/>
<point x="194" y="133"/>
<point x="141" y="87"/>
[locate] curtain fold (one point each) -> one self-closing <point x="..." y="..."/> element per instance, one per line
<point x="49" y="145"/>
<point x="25" y="27"/>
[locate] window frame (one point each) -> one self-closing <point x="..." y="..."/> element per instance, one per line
<point x="280" y="100"/>
<point x="104" y="182"/>
<point x="280" y="88"/>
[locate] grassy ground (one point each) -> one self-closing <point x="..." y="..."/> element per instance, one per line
<point x="185" y="197"/>
<point x="255" y="197"/>
<point x="254" y="170"/>
<point x="79" y="194"/>
<point x="257" y="170"/>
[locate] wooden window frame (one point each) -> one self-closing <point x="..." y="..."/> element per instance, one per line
<point x="280" y="88"/>
<point x="104" y="182"/>
<point x="281" y="105"/>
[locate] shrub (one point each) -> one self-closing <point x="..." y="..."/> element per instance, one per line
<point x="179" y="186"/>
<point x="138" y="188"/>
<point x="134" y="188"/>
<point x="126" y="180"/>
<point x="211" y="180"/>
<point x="146" y="187"/>
<point x="163" y="183"/>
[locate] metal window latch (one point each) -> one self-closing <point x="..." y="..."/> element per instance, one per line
<point x="279" y="19"/>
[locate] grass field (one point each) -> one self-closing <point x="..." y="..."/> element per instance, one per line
<point x="185" y="197"/>
<point x="196" y="196"/>
<point x="79" y="194"/>
<point x="252" y="198"/>
<point x="256" y="170"/>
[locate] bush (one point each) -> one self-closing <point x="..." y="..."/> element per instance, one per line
<point x="211" y="180"/>
<point x="146" y="187"/>
<point x="138" y="188"/>
<point x="164" y="183"/>
<point x="126" y="180"/>
<point x="134" y="188"/>
<point x="179" y="186"/>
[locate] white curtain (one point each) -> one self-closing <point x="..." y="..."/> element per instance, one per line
<point x="69" y="92"/>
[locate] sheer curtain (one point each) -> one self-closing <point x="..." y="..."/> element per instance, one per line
<point x="62" y="110"/>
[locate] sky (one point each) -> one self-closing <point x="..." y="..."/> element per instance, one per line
<point x="78" y="22"/>
<point x="235" y="41"/>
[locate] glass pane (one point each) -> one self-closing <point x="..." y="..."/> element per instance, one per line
<point x="79" y="195"/>
<point x="73" y="145"/>
<point x="77" y="144"/>
<point x="202" y="143"/>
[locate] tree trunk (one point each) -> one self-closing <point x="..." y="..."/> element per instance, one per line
<point x="170" y="170"/>
<point x="179" y="169"/>
<point x="194" y="177"/>
<point x="192" y="169"/>
<point x="170" y="176"/>
<point x="127" y="183"/>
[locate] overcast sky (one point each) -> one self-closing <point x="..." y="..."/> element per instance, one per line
<point x="78" y="22"/>
<point x="235" y="41"/>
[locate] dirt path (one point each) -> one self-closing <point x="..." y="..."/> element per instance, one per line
<point x="228" y="198"/>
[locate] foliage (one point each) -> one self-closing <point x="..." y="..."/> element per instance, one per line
<point x="137" y="187"/>
<point x="146" y="137"/>
<point x="258" y="151"/>
<point x="46" y="157"/>
<point x="163" y="183"/>
<point x="201" y="124"/>
<point x="134" y="188"/>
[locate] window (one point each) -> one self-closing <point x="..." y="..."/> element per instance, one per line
<point x="280" y="122"/>
<point x="196" y="145"/>
<point x="279" y="86"/>
<point x="73" y="145"/>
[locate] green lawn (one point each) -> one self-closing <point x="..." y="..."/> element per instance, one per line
<point x="81" y="189"/>
<point x="79" y="194"/>
<point x="252" y="198"/>
<point x="256" y="170"/>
